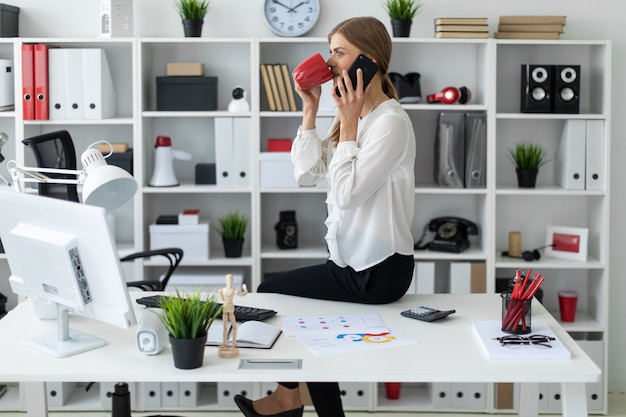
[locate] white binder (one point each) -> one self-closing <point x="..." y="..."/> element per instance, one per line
<point x="56" y="84"/>
<point x="460" y="277"/>
<point x="188" y="394"/>
<point x="595" y="391"/>
<point x="224" y="152"/>
<point x="169" y="394"/>
<point x="74" y="84"/>
<point x="570" y="159"/>
<point x="424" y="277"/>
<point x="226" y="391"/>
<point x="440" y="395"/>
<point x="242" y="149"/>
<point x="59" y="392"/>
<point x="595" y="173"/>
<point x="151" y="394"/>
<point x="98" y="90"/>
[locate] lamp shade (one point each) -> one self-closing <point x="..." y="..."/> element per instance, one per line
<point x="106" y="186"/>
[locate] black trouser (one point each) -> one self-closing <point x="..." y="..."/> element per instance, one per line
<point x="380" y="284"/>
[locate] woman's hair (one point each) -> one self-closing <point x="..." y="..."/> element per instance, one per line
<point x="370" y="36"/>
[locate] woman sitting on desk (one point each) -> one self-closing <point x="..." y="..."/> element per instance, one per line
<point x="368" y="159"/>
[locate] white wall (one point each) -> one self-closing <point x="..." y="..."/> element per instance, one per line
<point x="597" y="19"/>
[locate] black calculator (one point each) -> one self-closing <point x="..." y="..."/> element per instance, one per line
<point x="426" y="313"/>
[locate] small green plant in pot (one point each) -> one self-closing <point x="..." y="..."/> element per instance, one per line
<point x="527" y="157"/>
<point x="232" y="228"/>
<point x="192" y="13"/>
<point x="187" y="318"/>
<point x="401" y="13"/>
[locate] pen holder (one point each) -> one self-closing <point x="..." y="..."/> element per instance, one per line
<point x="516" y="314"/>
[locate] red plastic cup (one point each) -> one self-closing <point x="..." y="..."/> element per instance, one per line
<point x="392" y="390"/>
<point x="567" y="305"/>
<point x="311" y="72"/>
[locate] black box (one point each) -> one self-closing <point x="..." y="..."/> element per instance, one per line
<point x="186" y="93"/>
<point x="122" y="159"/>
<point x="9" y="22"/>
<point x="205" y="174"/>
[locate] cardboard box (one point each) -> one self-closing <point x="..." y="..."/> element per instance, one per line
<point x="277" y="170"/>
<point x="116" y="18"/>
<point x="177" y="69"/>
<point x="193" y="239"/>
<point x="186" y="93"/>
<point x="9" y="21"/>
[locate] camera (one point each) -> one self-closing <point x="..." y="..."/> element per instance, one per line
<point x="287" y="230"/>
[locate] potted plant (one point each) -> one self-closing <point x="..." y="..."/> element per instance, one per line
<point x="192" y="12"/>
<point x="401" y="13"/>
<point x="187" y="318"/>
<point x="232" y="229"/>
<point x="527" y="157"/>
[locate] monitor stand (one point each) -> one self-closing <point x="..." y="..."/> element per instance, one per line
<point x="65" y="341"/>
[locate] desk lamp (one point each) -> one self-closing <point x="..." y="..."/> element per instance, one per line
<point x="104" y="185"/>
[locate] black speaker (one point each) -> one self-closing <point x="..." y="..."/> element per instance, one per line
<point x="536" y="88"/>
<point x="566" y="89"/>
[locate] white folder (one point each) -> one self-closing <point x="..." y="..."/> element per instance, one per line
<point x="56" y="84"/>
<point x="595" y="391"/>
<point x="224" y="152"/>
<point x="151" y="395"/>
<point x="460" y="277"/>
<point x="74" y="84"/>
<point x="477" y="395"/>
<point x="59" y="392"/>
<point x="570" y="159"/>
<point x="242" y="150"/>
<point x="188" y="394"/>
<point x="440" y="395"/>
<point x="424" y="277"/>
<point x="595" y="173"/>
<point x="169" y="394"/>
<point x="98" y="90"/>
<point x="459" y="395"/>
<point x="227" y="390"/>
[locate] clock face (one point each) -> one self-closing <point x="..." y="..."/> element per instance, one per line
<point x="291" y="17"/>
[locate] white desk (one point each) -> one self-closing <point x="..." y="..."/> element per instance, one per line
<point x="448" y="351"/>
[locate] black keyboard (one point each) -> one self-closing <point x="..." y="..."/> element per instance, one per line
<point x="242" y="313"/>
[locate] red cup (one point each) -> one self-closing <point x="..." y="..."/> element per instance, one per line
<point x="567" y="305"/>
<point x="392" y="390"/>
<point x="311" y="72"/>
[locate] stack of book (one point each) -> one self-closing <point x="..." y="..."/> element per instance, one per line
<point x="461" y="27"/>
<point x="530" y="27"/>
<point x="278" y="87"/>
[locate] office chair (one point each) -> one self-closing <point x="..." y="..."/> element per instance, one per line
<point x="56" y="150"/>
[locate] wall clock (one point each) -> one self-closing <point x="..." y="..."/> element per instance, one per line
<point x="291" y="17"/>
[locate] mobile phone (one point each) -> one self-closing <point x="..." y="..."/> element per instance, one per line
<point x="369" y="68"/>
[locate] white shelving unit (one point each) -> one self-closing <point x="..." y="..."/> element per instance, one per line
<point x="489" y="68"/>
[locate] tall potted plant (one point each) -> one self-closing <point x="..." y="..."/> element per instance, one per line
<point x="232" y="229"/>
<point x="187" y="318"/>
<point x="401" y="13"/>
<point x="192" y="13"/>
<point x="527" y="157"/>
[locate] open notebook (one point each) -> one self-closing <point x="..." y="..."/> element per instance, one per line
<point x="250" y="334"/>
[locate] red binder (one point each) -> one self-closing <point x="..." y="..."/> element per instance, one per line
<point x="28" y="82"/>
<point x="41" y="81"/>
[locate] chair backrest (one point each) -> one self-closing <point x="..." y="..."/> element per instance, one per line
<point x="55" y="150"/>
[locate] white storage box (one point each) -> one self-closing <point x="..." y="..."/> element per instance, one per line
<point x="193" y="239"/>
<point x="277" y="170"/>
<point x="208" y="281"/>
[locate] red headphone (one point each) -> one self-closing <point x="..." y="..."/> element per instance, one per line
<point x="450" y="95"/>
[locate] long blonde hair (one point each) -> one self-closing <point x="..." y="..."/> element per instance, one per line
<point x="372" y="38"/>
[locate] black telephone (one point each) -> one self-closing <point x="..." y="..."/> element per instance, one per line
<point x="450" y="234"/>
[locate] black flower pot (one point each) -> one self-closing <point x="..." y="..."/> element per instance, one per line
<point x="188" y="353"/>
<point x="192" y="28"/>
<point x="233" y="247"/>
<point x="526" y="178"/>
<point x="401" y="28"/>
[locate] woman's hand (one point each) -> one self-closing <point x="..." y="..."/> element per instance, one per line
<point x="310" y="103"/>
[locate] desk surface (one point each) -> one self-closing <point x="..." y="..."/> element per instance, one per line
<point x="448" y="350"/>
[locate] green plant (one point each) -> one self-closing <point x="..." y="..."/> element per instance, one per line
<point x="527" y="155"/>
<point x="402" y="9"/>
<point x="232" y="225"/>
<point x="192" y="9"/>
<point x="187" y="315"/>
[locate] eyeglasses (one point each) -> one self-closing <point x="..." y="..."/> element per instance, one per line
<point x="539" y="341"/>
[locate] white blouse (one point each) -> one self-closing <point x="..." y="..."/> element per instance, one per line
<point x="371" y="192"/>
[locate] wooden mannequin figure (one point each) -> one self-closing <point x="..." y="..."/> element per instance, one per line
<point x="228" y="317"/>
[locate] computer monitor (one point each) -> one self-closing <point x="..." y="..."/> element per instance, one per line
<point x="63" y="253"/>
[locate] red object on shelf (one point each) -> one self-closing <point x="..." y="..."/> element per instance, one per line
<point x="279" y="145"/>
